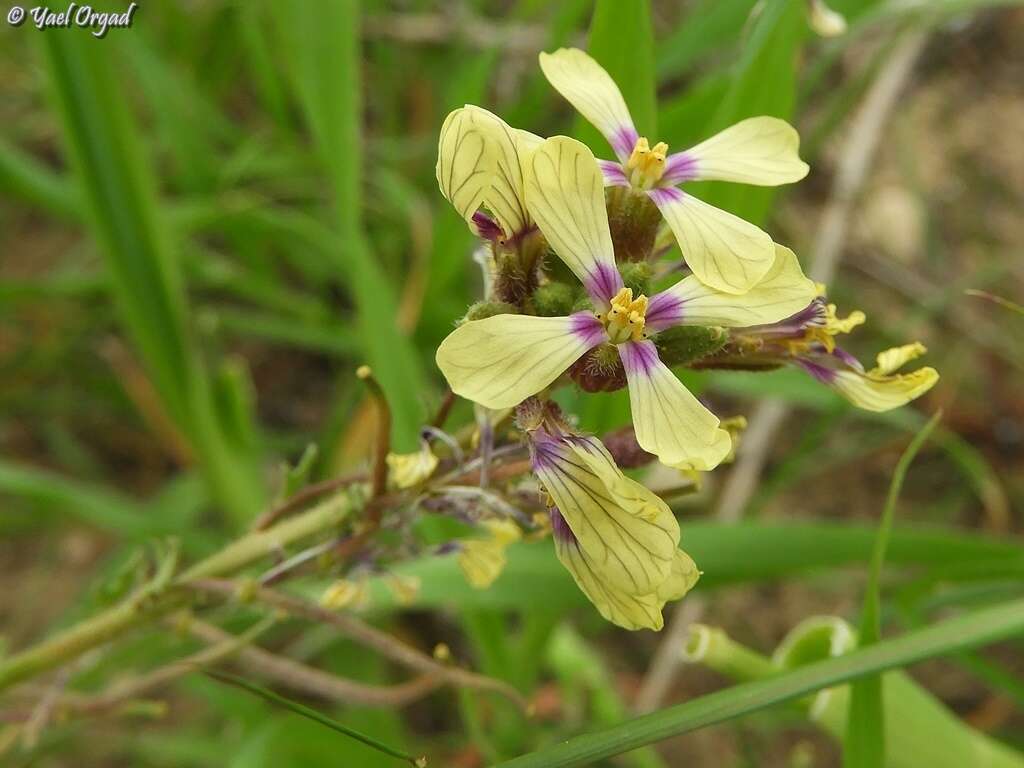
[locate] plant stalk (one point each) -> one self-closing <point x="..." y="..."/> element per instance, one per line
<point x="148" y="605"/>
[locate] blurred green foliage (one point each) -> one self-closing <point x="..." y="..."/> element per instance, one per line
<point x="242" y="194"/>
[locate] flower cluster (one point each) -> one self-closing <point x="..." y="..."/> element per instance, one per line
<point x="571" y="259"/>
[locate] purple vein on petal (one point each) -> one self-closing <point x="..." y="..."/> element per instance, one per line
<point x="848" y="359"/>
<point x="486" y="227"/>
<point x="817" y="370"/>
<point x="560" y="528"/>
<point x="664" y="310"/>
<point x="613" y="174"/>
<point x="623" y="140"/>
<point x="603" y="282"/>
<point x="661" y="195"/>
<point x="638" y="357"/>
<point x="587" y="328"/>
<point x="680" y="167"/>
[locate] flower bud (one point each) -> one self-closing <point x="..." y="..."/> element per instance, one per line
<point x="554" y="299"/>
<point x="484" y="309"/>
<point x="637" y="277"/>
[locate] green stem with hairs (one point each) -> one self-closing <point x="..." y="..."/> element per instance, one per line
<point x="147" y="606"/>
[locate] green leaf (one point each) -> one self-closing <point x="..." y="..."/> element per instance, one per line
<point x="311" y="714"/>
<point x="763" y="83"/>
<point x="864" y="744"/>
<point x="124" y="216"/>
<point x="323" y="42"/>
<point x="622" y="41"/>
<point x="950" y="636"/>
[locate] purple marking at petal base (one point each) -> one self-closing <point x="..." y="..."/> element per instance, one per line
<point x="603" y="282"/>
<point x="486" y="227"/>
<point x="663" y="311"/>
<point x="559" y="528"/>
<point x="587" y="328"/>
<point x="848" y="359"/>
<point x="679" y="167"/>
<point x="818" y="371"/>
<point x="639" y="357"/>
<point x="794" y="325"/>
<point x="613" y="174"/>
<point x="623" y="141"/>
<point x="662" y="195"/>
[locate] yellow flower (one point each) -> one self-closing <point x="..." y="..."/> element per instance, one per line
<point x="409" y="469"/>
<point x="619" y="540"/>
<point x="723" y="250"/>
<point x="502" y="360"/>
<point x="482" y="560"/>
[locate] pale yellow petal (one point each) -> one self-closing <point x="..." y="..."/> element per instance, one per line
<point x="625" y="610"/>
<point x="504" y="532"/>
<point x="500" y="361"/>
<point x="891" y="360"/>
<point x="669" y="421"/>
<point x="585" y="84"/>
<point x="883" y="393"/>
<point x="759" y="150"/>
<point x="481" y="561"/>
<point x="480" y="163"/>
<point x="681" y="578"/>
<point x="724" y="251"/>
<point x="409" y="469"/>
<point x="565" y="196"/>
<point x="783" y="291"/>
<point x="627" y="532"/>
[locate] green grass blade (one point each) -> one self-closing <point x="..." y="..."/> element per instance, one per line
<point x="864" y="744"/>
<point x="950" y="636"/>
<point x="323" y="39"/>
<point x="24" y="178"/>
<point x="121" y="202"/>
<point x="764" y="83"/>
<point x="622" y="41"/>
<point x="312" y="714"/>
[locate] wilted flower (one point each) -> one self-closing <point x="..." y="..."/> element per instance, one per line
<point x="807" y="340"/>
<point x="723" y="250"/>
<point x="409" y="469"/>
<point x="483" y="559"/>
<point x="502" y="360"/>
<point x="346" y="593"/>
<point x="619" y="540"/>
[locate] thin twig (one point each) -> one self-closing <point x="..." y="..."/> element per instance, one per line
<point x="307" y="495"/>
<point x="443" y="410"/>
<point x="362" y="633"/>
<point x="120" y="693"/>
<point x="309" y="680"/>
<point x="865" y="135"/>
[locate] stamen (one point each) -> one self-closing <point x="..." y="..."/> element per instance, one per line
<point x="625" y="319"/>
<point x="646" y="165"/>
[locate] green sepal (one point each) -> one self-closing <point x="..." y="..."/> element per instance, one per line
<point x="484" y="309"/>
<point x="686" y="343"/>
<point x="554" y="299"/>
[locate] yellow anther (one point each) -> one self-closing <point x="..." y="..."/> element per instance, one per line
<point x="646" y="164"/>
<point x="624" y="321"/>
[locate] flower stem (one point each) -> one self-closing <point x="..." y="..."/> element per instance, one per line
<point x="145" y="605"/>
